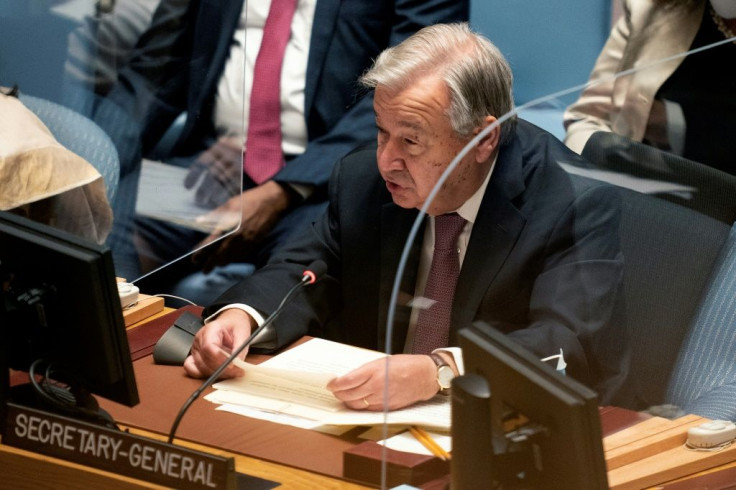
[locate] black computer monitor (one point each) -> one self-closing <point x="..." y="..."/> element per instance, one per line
<point x="519" y="423"/>
<point x="60" y="309"/>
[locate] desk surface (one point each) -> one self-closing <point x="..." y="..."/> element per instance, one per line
<point x="279" y="444"/>
<point x="256" y="446"/>
<point x="26" y="470"/>
<point x="296" y="458"/>
<point x="164" y="389"/>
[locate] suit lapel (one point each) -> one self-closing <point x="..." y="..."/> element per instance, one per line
<point x="325" y="15"/>
<point x="495" y="232"/>
<point x="396" y="224"/>
<point x="224" y="18"/>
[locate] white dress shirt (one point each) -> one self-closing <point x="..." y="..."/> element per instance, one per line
<point x="232" y="102"/>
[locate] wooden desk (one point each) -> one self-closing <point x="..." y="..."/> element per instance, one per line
<point x="165" y="311"/>
<point x="26" y="470"/>
<point x="299" y="458"/>
<point x="164" y="389"/>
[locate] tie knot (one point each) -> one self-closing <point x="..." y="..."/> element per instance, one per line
<point x="447" y="228"/>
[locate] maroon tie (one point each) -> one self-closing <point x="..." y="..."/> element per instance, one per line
<point x="433" y="324"/>
<point x="263" y="156"/>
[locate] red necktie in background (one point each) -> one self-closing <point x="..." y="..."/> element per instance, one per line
<point x="433" y="324"/>
<point x="263" y="156"/>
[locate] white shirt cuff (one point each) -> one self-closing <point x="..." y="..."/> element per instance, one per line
<point x="457" y="356"/>
<point x="268" y="334"/>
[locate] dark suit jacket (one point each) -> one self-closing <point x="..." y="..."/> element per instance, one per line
<point x="543" y="263"/>
<point x="178" y="62"/>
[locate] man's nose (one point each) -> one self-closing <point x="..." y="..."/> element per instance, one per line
<point x="389" y="158"/>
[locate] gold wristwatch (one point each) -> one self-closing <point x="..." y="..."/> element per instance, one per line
<point x="445" y="374"/>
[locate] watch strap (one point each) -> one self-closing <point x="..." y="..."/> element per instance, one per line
<point x="440" y="362"/>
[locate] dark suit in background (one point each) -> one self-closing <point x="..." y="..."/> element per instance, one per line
<point x="178" y="62"/>
<point x="543" y="264"/>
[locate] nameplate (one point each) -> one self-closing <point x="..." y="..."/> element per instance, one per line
<point x="116" y="451"/>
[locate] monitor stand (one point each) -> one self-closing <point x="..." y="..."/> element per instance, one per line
<point x="77" y="403"/>
<point x="480" y="453"/>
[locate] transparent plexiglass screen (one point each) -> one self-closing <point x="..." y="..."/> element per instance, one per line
<point x="621" y="280"/>
<point x="637" y="264"/>
<point x="112" y="82"/>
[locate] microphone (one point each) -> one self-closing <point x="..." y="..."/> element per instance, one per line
<point x="311" y="275"/>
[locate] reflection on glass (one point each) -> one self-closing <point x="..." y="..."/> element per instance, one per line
<point x="169" y="165"/>
<point x="660" y="133"/>
<point x="610" y="252"/>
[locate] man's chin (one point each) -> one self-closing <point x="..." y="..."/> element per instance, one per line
<point x="405" y="203"/>
<point x="402" y="196"/>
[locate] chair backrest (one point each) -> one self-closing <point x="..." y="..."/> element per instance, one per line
<point x="673" y="178"/>
<point x="669" y="253"/>
<point x="81" y="136"/>
<point x="704" y="379"/>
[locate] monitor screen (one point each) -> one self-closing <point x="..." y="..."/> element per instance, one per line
<point x="519" y="423"/>
<point x="60" y="309"/>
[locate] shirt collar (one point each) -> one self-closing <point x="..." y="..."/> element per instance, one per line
<point x="469" y="209"/>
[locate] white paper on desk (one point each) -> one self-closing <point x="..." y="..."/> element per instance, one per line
<point x="300" y="375"/>
<point x="409" y="444"/>
<point x="285" y="419"/>
<point x="276" y="386"/>
<point x="434" y="413"/>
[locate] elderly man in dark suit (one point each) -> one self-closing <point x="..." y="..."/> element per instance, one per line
<point x="178" y="67"/>
<point x="537" y="248"/>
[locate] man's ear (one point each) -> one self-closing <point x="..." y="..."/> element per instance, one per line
<point x="489" y="143"/>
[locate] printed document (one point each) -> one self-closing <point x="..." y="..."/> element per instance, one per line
<point x="295" y="383"/>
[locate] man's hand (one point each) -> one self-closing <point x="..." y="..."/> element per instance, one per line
<point x="411" y="378"/>
<point x="218" y="171"/>
<point x="260" y="209"/>
<point x="226" y="333"/>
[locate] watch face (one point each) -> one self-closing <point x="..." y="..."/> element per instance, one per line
<point x="444" y="376"/>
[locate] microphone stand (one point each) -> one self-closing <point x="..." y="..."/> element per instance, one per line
<point x="308" y="278"/>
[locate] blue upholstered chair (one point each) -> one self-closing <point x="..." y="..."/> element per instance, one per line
<point x="669" y="253"/>
<point x="704" y="379"/>
<point x="81" y="136"/>
<point x="551" y="46"/>
<point x="672" y="244"/>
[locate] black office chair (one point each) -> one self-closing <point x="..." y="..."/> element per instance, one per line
<point x="685" y="182"/>
<point x="669" y="253"/>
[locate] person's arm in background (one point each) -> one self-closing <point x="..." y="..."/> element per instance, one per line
<point x="593" y="110"/>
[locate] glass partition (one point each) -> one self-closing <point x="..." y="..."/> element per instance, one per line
<point x="613" y="253"/>
<point x="602" y="234"/>
<point x="116" y="83"/>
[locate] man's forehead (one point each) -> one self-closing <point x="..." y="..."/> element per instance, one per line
<point x="415" y="111"/>
<point x="412" y="123"/>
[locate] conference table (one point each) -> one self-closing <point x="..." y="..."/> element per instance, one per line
<point x="641" y="451"/>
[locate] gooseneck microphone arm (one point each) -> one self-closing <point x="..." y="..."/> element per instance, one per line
<point x="315" y="270"/>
